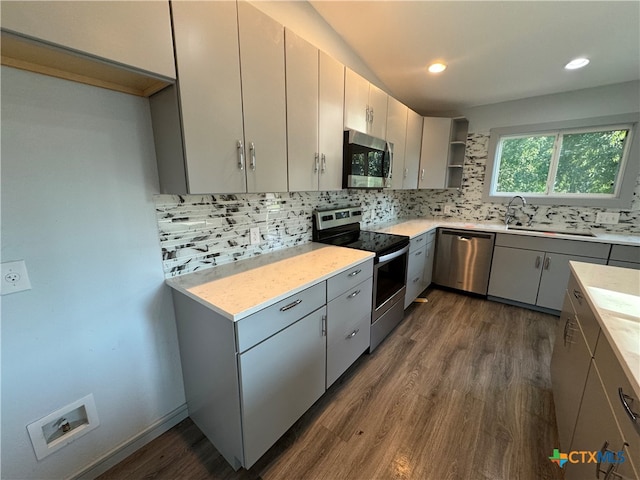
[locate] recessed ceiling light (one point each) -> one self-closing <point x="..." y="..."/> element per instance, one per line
<point x="577" y="63"/>
<point x="437" y="67"/>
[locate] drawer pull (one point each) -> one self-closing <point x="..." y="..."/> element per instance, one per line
<point x="613" y="467"/>
<point x="417" y="279"/>
<point x="352" y="334"/>
<point x="291" y="305"/>
<point x="353" y="274"/>
<point x="538" y="259"/>
<point x="578" y="295"/>
<point x="626" y="400"/>
<point x="419" y="253"/>
<point x="547" y="262"/>
<point x="420" y="239"/>
<point x="354" y="294"/>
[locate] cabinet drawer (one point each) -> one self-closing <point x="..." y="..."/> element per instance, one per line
<point x="586" y="320"/>
<point x="625" y="253"/>
<point x="261" y="325"/>
<point x="555" y="245"/>
<point x="346" y="280"/>
<point x="345" y="343"/>
<point x="613" y="379"/>
<point x="354" y="303"/>
<point x="418" y="242"/>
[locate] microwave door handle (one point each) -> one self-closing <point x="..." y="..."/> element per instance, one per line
<point x="390" y="150"/>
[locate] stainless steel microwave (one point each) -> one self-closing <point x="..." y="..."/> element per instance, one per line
<point x="367" y="161"/>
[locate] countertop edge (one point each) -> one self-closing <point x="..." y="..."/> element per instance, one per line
<point x="633" y="380"/>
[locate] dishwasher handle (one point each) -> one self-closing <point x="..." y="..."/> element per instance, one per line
<point x="464" y="235"/>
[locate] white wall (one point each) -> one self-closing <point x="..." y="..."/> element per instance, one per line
<point x="78" y="176"/>
<point x="613" y="99"/>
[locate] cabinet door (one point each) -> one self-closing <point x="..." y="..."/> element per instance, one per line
<point x="415" y="275"/>
<point x="412" y="151"/>
<point x="356" y="98"/>
<point x="397" y="135"/>
<point x="331" y="92"/>
<point x="302" y="113"/>
<point x="555" y="276"/>
<point x="515" y="274"/>
<point x="377" y="112"/>
<point x="263" y="99"/>
<point x="569" y="368"/>
<point x="597" y="427"/>
<point x="434" y="153"/>
<point x="428" y="268"/>
<point x="280" y="379"/>
<point x="137" y="34"/>
<point x="206" y="43"/>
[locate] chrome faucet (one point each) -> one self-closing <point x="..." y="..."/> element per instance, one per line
<point x="510" y="216"/>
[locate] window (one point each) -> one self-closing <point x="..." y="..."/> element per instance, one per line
<point x="563" y="166"/>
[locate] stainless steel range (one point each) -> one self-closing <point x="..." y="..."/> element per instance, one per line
<point x="342" y="227"/>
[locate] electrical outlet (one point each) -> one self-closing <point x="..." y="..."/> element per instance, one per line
<point x="607" y="217"/>
<point x="14" y="277"/>
<point x="255" y="236"/>
<point x="448" y="209"/>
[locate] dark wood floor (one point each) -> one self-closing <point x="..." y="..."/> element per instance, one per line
<point x="460" y="390"/>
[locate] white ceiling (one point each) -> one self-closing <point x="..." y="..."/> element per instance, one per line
<point x="495" y="51"/>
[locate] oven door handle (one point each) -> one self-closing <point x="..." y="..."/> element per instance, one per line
<point x="392" y="255"/>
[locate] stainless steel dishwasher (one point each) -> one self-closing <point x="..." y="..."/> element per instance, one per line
<point x="463" y="260"/>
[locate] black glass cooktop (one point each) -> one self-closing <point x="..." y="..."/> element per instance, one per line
<point x="379" y="243"/>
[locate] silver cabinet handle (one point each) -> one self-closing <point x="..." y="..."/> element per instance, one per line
<point x="367" y="115"/>
<point x="354" y="294"/>
<point x="419" y="253"/>
<point x="422" y="174"/>
<point x="568" y="327"/>
<point x="317" y="164"/>
<point x="353" y="274"/>
<point x="291" y="305"/>
<point x="626" y="400"/>
<point x="352" y="334"/>
<point x="252" y="149"/>
<point x="416" y="280"/>
<point x="324" y="163"/>
<point x="240" y="155"/>
<point x="406" y="172"/>
<point x="613" y="467"/>
<point x="578" y="295"/>
<point x="420" y="239"/>
<point x="324" y="325"/>
<point x="371" y="116"/>
<point x="538" y="259"/>
<point x="547" y="261"/>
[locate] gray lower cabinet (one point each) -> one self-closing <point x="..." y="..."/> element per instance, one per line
<point x="419" y="266"/>
<point x="626" y="256"/>
<point x="535" y="271"/>
<point x="280" y="379"/>
<point x="596" y="429"/>
<point x="348" y="328"/>
<point x="248" y="381"/>
<point x="569" y="368"/>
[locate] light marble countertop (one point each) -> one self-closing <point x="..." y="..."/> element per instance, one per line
<point x="417" y="226"/>
<point x="239" y="289"/>
<point x="613" y="294"/>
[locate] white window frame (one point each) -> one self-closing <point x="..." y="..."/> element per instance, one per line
<point x="625" y="180"/>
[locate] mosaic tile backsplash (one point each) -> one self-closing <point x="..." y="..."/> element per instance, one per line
<point x="200" y="231"/>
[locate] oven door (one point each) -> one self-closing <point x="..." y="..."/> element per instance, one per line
<point x="389" y="281"/>
<point x="367" y="161"/>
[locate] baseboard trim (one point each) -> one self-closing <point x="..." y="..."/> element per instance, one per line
<point x="129" y="446"/>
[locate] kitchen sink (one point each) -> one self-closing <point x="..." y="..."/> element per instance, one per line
<point x="582" y="233"/>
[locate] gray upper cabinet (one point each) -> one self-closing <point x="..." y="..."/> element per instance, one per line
<point x="315" y="99"/>
<point x="233" y="126"/>
<point x="397" y="135"/>
<point x="365" y="106"/>
<point x="135" y="34"/>
<point x="412" y="151"/>
<point x="122" y="46"/>
<point x="443" y="150"/>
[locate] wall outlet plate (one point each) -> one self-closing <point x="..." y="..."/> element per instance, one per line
<point x="14" y="277"/>
<point x="255" y="236"/>
<point x="448" y="209"/>
<point x="607" y="217"/>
